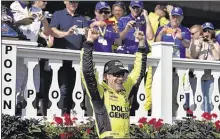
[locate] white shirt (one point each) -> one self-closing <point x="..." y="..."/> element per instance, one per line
<point x="30" y="31"/>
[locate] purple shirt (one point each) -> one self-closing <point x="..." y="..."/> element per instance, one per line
<point x="169" y="38"/>
<point x="109" y="37"/>
<point x="130" y="46"/>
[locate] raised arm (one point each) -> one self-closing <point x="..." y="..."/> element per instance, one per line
<point x="138" y="72"/>
<point x="86" y="65"/>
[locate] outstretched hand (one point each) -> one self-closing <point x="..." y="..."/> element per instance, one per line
<point x="139" y="35"/>
<point x="92" y="34"/>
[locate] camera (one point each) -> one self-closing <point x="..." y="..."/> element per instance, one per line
<point x="205" y="39"/>
<point x="109" y="22"/>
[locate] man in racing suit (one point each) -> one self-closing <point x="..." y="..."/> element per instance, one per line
<point x="109" y="99"/>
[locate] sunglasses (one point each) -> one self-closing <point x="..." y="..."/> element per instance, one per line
<point x="73" y="2"/>
<point x="118" y="75"/>
<point x="136" y="7"/>
<point x="207" y="30"/>
<point x="105" y="12"/>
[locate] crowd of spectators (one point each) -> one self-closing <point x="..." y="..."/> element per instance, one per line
<point x="66" y="29"/>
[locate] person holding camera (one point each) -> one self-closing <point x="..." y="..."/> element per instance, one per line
<point x="109" y="33"/>
<point x="206" y="48"/>
<point x="110" y="98"/>
<point x="65" y="25"/>
<point x="128" y="25"/>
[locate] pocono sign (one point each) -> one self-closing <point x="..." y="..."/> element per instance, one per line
<point x="9" y="55"/>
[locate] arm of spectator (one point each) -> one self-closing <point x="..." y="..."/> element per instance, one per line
<point x="97" y="24"/>
<point x="215" y="50"/>
<point x="160" y="32"/>
<point x="24" y="21"/>
<point x="61" y="34"/>
<point x="46" y="30"/>
<point x="195" y="48"/>
<point x="185" y="39"/>
<point x="126" y="29"/>
<point x="149" y="29"/>
<point x="118" y="41"/>
<point x="188" y="53"/>
<point x="55" y="24"/>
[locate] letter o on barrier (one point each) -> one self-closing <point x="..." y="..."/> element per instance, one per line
<point x="78" y="96"/>
<point x="199" y="98"/>
<point x="56" y="94"/>
<point x="8" y="63"/>
<point x="142" y="97"/>
<point x="7" y="93"/>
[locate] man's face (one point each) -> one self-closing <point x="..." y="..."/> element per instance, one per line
<point x="103" y="14"/>
<point x="195" y="33"/>
<point x="117" y="12"/>
<point x="135" y="10"/>
<point x="42" y="4"/>
<point x="207" y="33"/>
<point x="71" y="5"/>
<point x="115" y="81"/>
<point x="175" y="20"/>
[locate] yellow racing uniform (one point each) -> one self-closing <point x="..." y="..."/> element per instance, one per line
<point x="111" y="108"/>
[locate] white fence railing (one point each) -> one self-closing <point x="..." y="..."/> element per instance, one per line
<point x="21" y="57"/>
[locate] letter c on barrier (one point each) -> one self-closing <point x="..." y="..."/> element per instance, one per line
<point x="7" y="79"/>
<point x="78" y="97"/>
<point x="142" y="97"/>
<point x="216" y="99"/>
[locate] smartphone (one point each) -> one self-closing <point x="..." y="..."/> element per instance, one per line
<point x="170" y="31"/>
<point x="80" y="31"/>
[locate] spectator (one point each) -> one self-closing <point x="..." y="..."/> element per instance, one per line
<point x="108" y="30"/>
<point x="118" y="10"/>
<point x="64" y="26"/>
<point x="113" y="92"/>
<point x="157" y="19"/>
<point x="128" y="25"/>
<point x="196" y="32"/>
<point x="206" y="48"/>
<point x="30" y="19"/>
<point x="175" y="32"/>
<point x="180" y="35"/>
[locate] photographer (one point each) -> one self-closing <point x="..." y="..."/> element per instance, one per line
<point x="109" y="33"/>
<point x="206" y="48"/>
<point x="128" y="25"/>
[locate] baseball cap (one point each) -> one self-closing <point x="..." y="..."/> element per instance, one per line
<point x="177" y="11"/>
<point x="101" y="5"/>
<point x="208" y="25"/>
<point x="114" y="66"/>
<point x="137" y="3"/>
